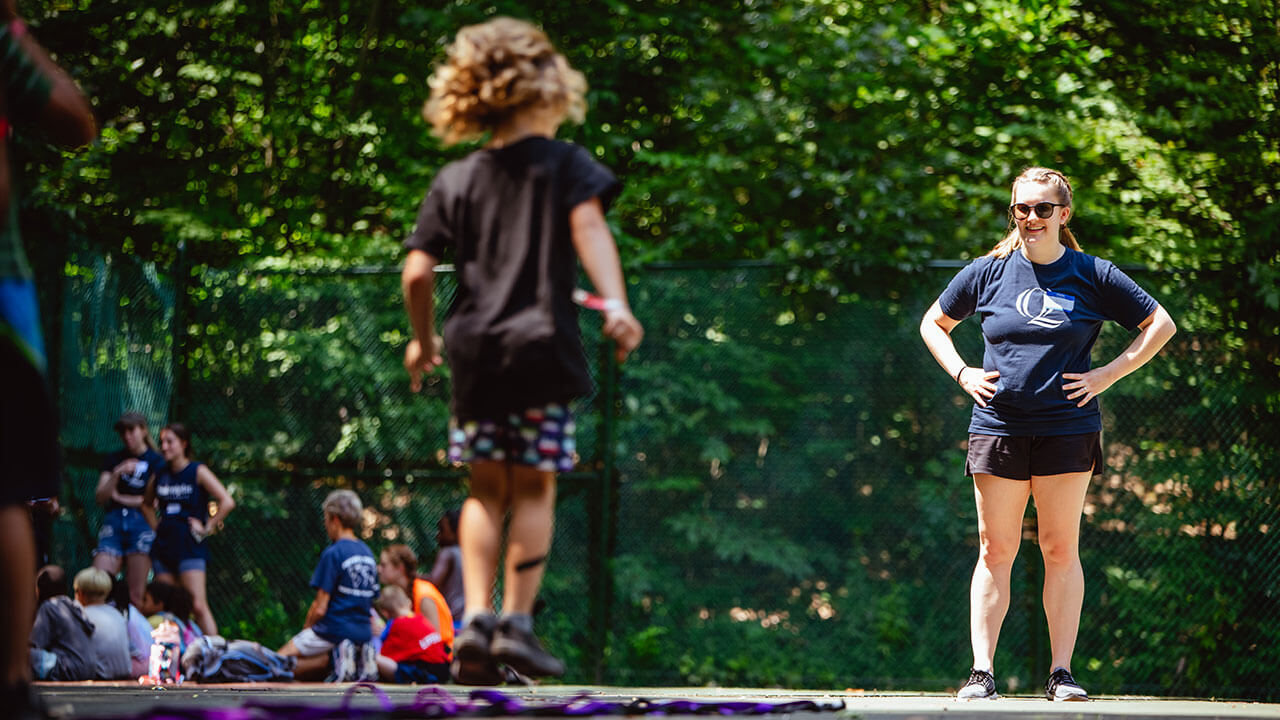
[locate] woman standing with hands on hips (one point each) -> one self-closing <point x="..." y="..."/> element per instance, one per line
<point x="181" y="496"/>
<point x="1036" y="427"/>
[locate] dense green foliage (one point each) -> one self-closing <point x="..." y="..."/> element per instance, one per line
<point x="791" y="509"/>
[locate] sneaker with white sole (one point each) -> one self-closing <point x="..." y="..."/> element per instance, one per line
<point x="368" y="663"/>
<point x="344" y="663"/>
<point x="981" y="686"/>
<point x="1061" y="687"/>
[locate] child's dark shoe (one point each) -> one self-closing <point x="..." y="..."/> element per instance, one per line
<point x="515" y="646"/>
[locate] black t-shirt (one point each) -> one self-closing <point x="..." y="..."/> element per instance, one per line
<point x="149" y="463"/>
<point x="502" y="215"/>
<point x="1039" y="321"/>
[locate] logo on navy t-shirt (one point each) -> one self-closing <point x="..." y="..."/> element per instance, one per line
<point x="361" y="576"/>
<point x="1040" y="305"/>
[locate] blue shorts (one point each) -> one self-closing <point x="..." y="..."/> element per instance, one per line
<point x="175" y="551"/>
<point x="124" y="532"/>
<point x="542" y="438"/>
<point x="185" y="564"/>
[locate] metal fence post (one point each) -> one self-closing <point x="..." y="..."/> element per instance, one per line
<point x="602" y="506"/>
<point x="181" y="376"/>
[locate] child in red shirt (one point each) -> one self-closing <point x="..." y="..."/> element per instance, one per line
<point x="412" y="651"/>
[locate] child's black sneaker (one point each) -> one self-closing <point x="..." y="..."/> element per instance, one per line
<point x="1062" y="687"/>
<point x="473" y="663"/>
<point x="515" y="646"/>
<point x="981" y="686"/>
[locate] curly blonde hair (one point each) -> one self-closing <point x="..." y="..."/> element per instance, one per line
<point x="494" y="70"/>
<point x="1059" y="182"/>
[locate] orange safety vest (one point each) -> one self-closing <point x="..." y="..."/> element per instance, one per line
<point x="424" y="588"/>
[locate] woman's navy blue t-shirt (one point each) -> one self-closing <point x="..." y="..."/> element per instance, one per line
<point x="179" y="496"/>
<point x="1039" y="321"/>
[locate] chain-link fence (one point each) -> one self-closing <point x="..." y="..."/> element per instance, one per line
<point x="788" y="505"/>
<point x="794" y="509"/>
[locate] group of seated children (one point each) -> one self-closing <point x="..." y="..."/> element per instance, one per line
<point x="89" y="639"/>
<point x="337" y="638"/>
<point x="99" y="635"/>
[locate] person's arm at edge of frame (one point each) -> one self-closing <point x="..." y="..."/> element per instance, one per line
<point x="67" y="118"/>
<point x="220" y="495"/>
<point x="417" y="281"/>
<point x="935" y="328"/>
<point x="318" y="608"/>
<point x="599" y="256"/>
<point x="1153" y="333"/>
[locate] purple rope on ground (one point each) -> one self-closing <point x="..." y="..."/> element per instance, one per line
<point x="434" y="702"/>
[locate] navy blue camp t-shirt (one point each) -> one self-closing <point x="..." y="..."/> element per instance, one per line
<point x="179" y="495"/>
<point x="149" y="464"/>
<point x="1039" y="321"/>
<point x="349" y="573"/>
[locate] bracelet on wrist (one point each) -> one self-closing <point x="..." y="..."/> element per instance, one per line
<point x="961" y="371"/>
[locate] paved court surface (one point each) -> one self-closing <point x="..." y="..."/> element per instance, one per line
<point x="124" y="700"/>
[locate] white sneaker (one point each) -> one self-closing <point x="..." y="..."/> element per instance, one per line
<point x="344" y="662"/>
<point x="368" y="663"/>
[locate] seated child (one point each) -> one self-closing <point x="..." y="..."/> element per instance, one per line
<point x="163" y="601"/>
<point x="139" y="629"/>
<point x="110" y="637"/>
<point x="412" y="650"/>
<point x="61" y="648"/>
<point x="338" y="621"/>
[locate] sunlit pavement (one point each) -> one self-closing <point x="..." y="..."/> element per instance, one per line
<point x="126" y="700"/>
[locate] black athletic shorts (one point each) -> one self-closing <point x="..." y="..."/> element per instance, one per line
<point x="1018" y="458"/>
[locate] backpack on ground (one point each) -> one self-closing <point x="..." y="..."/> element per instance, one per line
<point x="213" y="659"/>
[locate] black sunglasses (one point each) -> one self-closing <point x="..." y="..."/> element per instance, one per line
<point x="1043" y="209"/>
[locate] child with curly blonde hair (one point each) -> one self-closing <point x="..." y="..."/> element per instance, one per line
<point x="516" y="215"/>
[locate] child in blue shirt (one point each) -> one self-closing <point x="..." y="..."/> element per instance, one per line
<point x="337" y="629"/>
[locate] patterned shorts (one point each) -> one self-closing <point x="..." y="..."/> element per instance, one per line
<point x="542" y="438"/>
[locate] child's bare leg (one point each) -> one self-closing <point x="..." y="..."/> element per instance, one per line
<point x="533" y="504"/>
<point x="533" y="499"/>
<point x="480" y="532"/>
<point x="387" y="668"/>
<point x="480" y="537"/>
<point x="311" y="667"/>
